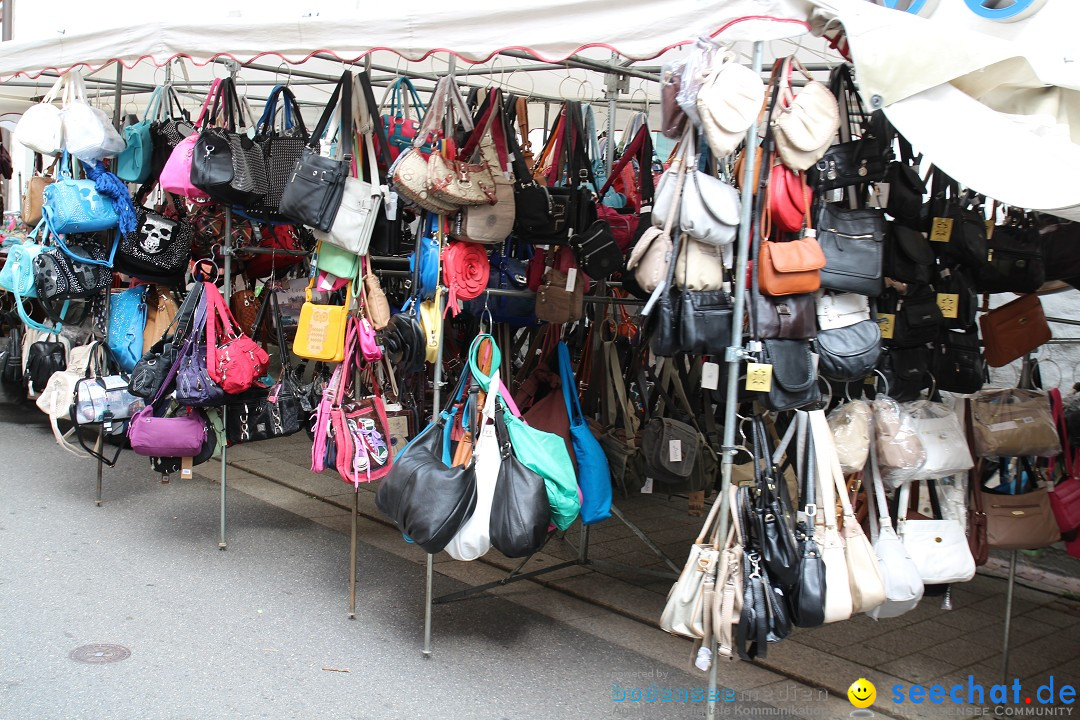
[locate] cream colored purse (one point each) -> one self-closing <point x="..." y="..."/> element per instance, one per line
<point x="701" y="266"/>
<point x="728" y="102"/>
<point x="684" y="613"/>
<point x="850" y="424"/>
<point x="838" y="600"/>
<point x="804" y="125"/>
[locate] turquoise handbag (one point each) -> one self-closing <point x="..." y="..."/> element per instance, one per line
<point x="75" y="206"/>
<point x="593" y="472"/>
<point x="17" y="277"/>
<point x="133" y="164"/>
<point x="127" y="321"/>
<point x="542" y="452"/>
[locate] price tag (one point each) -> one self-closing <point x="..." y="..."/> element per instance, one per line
<point x="710" y="376"/>
<point x="758" y="377"/>
<point x="949" y="304"/>
<point x="571" y="279"/>
<point x="185" y="468"/>
<point x="675" y="450"/>
<point x="990" y="229"/>
<point x="941" y="230"/>
<point x="646" y="487"/>
<point x="887" y="321"/>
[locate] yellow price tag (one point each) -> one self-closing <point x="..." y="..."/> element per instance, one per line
<point x="949" y="304"/>
<point x="990" y="229"/>
<point x="941" y="230"/>
<point x="758" y="377"/>
<point x="887" y="321"/>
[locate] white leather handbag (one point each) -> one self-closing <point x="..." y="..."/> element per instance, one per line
<point x="864" y="575"/>
<point x="838" y="601"/>
<point x="939" y="548"/>
<point x="851" y="430"/>
<point x="841" y="310"/>
<point x="728" y="103"/>
<point x="355" y="219"/>
<point x="56" y="399"/>
<point x="708" y="209"/>
<point x="903" y="584"/>
<point x="686" y="608"/>
<point x="942" y="437"/>
<point x="88" y="133"/>
<point x="804" y="125"/>
<point x="473" y="539"/>
<point x="41" y="127"/>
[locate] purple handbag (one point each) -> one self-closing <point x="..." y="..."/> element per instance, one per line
<point x="194" y="387"/>
<point x="180" y="436"/>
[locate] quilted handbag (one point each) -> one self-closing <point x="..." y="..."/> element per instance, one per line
<point x="426" y="498"/>
<point x="227" y="164"/>
<point x="233" y="359"/>
<point x="75" y="206"/>
<point x="127" y="320"/>
<point x="158" y="249"/>
<point x="281" y="144"/>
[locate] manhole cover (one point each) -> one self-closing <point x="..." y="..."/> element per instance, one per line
<point x="99" y="654"/>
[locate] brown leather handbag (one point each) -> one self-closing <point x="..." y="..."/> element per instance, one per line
<point x="790" y="268"/>
<point x="1019" y="522"/>
<point x="160" y="311"/>
<point x="32" y="199"/>
<point x="1013" y="330"/>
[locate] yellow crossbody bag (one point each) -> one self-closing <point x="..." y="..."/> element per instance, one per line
<point x="320" y="334"/>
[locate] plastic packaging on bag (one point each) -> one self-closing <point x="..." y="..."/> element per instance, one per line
<point x="943" y="439"/>
<point x="900" y="452"/>
<point x="850" y="424"/>
<point x="693" y="76"/>
<point x="672" y="117"/>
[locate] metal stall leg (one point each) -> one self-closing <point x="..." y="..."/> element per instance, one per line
<point x="734" y="358"/>
<point x="352" y="556"/>
<point x="227" y="251"/>
<point x="1008" y="618"/>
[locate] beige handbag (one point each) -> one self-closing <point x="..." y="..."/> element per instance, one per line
<point x="728" y="102"/>
<point x="804" y="125"/>
<point x="649" y="258"/>
<point x="33" y="196"/>
<point x="459" y="183"/>
<point x="160" y="311"/>
<point x="850" y="424"/>
<point x="727" y="606"/>
<point x="900" y="451"/>
<point x="701" y="266"/>
<point x="1011" y="422"/>
<point x="376" y="307"/>
<point x="411" y="181"/>
<point x="685" y="611"/>
<point x="864" y="574"/>
<point x="838" y="600"/>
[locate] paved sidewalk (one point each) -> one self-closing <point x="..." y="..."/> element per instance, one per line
<point x="928" y="645"/>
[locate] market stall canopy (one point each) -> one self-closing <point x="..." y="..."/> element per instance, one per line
<point x="996" y="105"/>
<point x="475" y="32"/>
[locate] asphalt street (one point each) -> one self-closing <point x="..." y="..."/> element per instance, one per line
<point x="258" y="631"/>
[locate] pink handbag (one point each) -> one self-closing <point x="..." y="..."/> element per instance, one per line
<point x="369" y="342"/>
<point x="176" y="175"/>
<point x="238" y="362"/>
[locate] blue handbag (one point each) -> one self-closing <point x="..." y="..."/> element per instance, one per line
<point x="127" y="321"/>
<point x="17" y="277"/>
<point x="427" y="255"/>
<point x="593" y="472"/>
<point x="75" y="206"/>
<point x="133" y="164"/>
<point x="507" y="273"/>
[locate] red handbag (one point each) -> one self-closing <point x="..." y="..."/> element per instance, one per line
<point x="788" y="198"/>
<point x="358" y="426"/>
<point x="238" y="362"/>
<point x="273" y="237"/>
<point x="1065" y="498"/>
<point x="624" y="225"/>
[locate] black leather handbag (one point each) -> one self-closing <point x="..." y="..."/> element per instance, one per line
<point x="661" y="325"/>
<point x="153" y="367"/>
<point x="272" y="412"/>
<point x="596" y="251"/>
<point x="956" y="281"/>
<point x="58" y="276"/>
<point x="908" y="256"/>
<point x="11" y="357"/>
<point x="705" y="318"/>
<point x="806" y="596"/>
<point x="158" y="249"/>
<point x="227" y="164"/>
<point x="906" y="371"/>
<point x="428" y="500"/>
<point x="1014" y="261"/>
<point x="44" y="358"/>
<point x="774" y="520"/>
<point x="794" y="381"/>
<point x="849" y="353"/>
<point x="853" y="242"/>
<point x="917" y="316"/>
<point x="764" y="618"/>
<point x="520" y="513"/>
<point x="314" y="190"/>
<point x="853" y="162"/>
<point x="790" y="316"/>
<point x="957" y="362"/>
<point x="906" y="188"/>
<point x="966" y="244"/>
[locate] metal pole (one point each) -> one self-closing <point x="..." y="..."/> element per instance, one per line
<point x="99" y="444"/>
<point x="227" y="250"/>
<point x="352" y="557"/>
<point x="613" y="94"/>
<point x="1008" y="618"/>
<point x="734" y="358"/>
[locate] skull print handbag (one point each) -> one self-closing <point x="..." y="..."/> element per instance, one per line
<point x="159" y="247"/>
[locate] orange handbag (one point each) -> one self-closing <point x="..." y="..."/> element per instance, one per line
<point x="790" y="268"/>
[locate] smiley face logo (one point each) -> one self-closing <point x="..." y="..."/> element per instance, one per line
<point x="862" y="693"/>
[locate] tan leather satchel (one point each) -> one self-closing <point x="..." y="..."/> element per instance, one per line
<point x="1013" y="330"/>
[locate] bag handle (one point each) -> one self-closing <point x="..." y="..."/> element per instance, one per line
<point x="340" y="101"/>
<point x="200" y="319"/>
<point x="827" y="463"/>
<point x="679" y="164"/>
